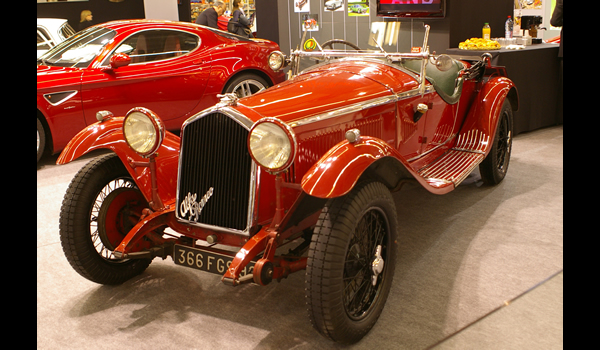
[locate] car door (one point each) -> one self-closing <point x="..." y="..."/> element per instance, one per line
<point x="168" y="74"/>
<point x="440" y="124"/>
<point x="410" y="126"/>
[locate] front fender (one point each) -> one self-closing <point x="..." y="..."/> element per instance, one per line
<point x="336" y="173"/>
<point x="108" y="134"/>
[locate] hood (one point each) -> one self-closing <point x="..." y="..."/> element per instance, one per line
<point x="51" y="78"/>
<point x="329" y="87"/>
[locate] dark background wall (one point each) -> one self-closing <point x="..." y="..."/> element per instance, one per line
<point x="102" y="10"/>
<point x="277" y="21"/>
<point x="464" y="20"/>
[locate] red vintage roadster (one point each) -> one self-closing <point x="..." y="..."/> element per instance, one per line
<point x="297" y="177"/>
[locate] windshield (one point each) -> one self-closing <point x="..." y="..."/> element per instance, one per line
<point x="79" y="50"/>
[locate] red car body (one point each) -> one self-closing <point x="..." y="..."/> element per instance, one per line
<point x="70" y="95"/>
<point x="358" y="128"/>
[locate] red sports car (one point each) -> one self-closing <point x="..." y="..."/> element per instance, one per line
<point x="173" y="68"/>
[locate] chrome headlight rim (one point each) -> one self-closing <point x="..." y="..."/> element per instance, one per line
<point x="276" y="61"/>
<point x="291" y="137"/>
<point x="157" y="124"/>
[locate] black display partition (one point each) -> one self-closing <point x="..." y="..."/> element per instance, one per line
<point x="535" y="71"/>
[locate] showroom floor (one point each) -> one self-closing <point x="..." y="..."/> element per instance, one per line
<point x="478" y="268"/>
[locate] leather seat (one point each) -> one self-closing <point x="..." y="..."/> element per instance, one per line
<point x="446" y="83"/>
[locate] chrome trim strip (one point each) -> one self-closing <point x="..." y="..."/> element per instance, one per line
<point x="247" y="124"/>
<point x="357" y="107"/>
<point x="467" y="150"/>
<point x="221" y="108"/>
<point x="414" y="92"/>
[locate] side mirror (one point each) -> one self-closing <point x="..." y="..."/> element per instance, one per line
<point x="119" y="60"/>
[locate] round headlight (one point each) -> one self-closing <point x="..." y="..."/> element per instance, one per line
<point x="272" y="144"/>
<point x="143" y="131"/>
<point x="276" y="60"/>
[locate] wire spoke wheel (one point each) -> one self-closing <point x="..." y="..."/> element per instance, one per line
<point x="494" y="167"/>
<point x="359" y="291"/>
<point x="100" y="207"/>
<point x="112" y="215"/>
<point x="504" y="143"/>
<point x="351" y="262"/>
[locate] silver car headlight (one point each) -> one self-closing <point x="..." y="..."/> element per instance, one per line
<point x="272" y="144"/>
<point x="143" y="131"/>
<point x="277" y="61"/>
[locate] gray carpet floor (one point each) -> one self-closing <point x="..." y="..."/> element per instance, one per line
<point x="478" y="268"/>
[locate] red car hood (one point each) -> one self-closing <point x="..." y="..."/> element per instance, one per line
<point x="327" y="88"/>
<point x="56" y="78"/>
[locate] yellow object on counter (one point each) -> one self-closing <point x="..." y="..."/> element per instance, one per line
<point x="479" y="44"/>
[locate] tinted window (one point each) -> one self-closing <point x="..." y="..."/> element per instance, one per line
<point x="79" y="50"/>
<point x="66" y="31"/>
<point x="155" y="45"/>
<point x="43" y="40"/>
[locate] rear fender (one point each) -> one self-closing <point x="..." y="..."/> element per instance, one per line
<point x="108" y="134"/>
<point x="336" y="173"/>
<point x="481" y="121"/>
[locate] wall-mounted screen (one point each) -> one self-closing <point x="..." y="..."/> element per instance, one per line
<point x="411" y="8"/>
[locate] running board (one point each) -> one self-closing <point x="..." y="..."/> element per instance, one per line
<point x="457" y="163"/>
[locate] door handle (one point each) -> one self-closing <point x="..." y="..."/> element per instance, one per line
<point x="421" y="109"/>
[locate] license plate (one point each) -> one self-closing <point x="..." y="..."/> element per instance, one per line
<point x="208" y="261"/>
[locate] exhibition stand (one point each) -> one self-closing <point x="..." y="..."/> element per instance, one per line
<point x="535" y="70"/>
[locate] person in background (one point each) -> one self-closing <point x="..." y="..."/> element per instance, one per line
<point x="557" y="21"/>
<point x="240" y="23"/>
<point x="86" y="19"/>
<point x="210" y="16"/>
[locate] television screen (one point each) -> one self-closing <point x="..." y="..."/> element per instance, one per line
<point x="411" y="8"/>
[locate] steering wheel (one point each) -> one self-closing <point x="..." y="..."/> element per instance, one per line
<point x="329" y="43"/>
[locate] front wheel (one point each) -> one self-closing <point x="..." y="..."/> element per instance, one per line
<point x="351" y="262"/>
<point x="101" y="205"/>
<point x="494" y="167"/>
<point x="41" y="139"/>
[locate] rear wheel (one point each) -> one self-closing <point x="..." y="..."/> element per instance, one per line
<point x="494" y="167"/>
<point x="351" y="262"/>
<point x="101" y="206"/>
<point x="246" y="85"/>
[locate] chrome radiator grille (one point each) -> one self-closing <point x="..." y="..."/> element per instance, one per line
<point x="215" y="173"/>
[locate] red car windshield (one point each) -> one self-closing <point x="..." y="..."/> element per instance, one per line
<point x="79" y="50"/>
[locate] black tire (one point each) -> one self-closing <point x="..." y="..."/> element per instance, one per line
<point x="87" y="236"/>
<point x="494" y="167"/>
<point x="41" y="139"/>
<point x="245" y="85"/>
<point x="340" y="262"/>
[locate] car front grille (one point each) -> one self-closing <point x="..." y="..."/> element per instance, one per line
<point x="215" y="173"/>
